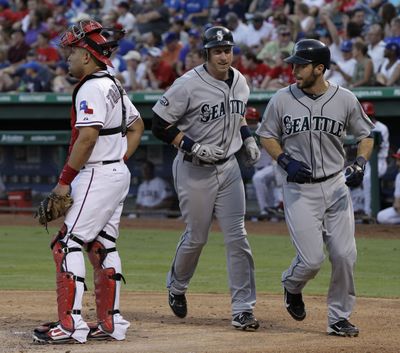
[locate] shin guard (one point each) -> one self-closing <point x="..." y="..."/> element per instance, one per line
<point x="105" y="282"/>
<point x="66" y="283"/>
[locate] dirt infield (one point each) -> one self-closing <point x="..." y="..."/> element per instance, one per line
<point x="207" y="327"/>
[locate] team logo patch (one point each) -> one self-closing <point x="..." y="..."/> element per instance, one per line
<point x="85" y="107"/>
<point x="220" y="36"/>
<point x="164" y="101"/>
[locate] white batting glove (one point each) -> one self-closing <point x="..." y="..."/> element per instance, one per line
<point x="207" y="153"/>
<point x="252" y="150"/>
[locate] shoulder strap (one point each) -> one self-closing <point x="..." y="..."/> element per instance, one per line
<point x="103" y="132"/>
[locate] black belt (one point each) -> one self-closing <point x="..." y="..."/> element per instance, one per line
<point x="104" y="162"/>
<point x="188" y="158"/>
<point x="320" y="180"/>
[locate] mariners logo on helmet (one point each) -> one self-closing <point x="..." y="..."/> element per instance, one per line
<point x="217" y="36"/>
<point x="220" y="36"/>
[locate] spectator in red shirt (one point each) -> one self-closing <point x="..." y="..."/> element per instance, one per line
<point x="280" y="75"/>
<point x="46" y="54"/>
<point x="19" y="49"/>
<point x="159" y="73"/>
<point x="254" y="70"/>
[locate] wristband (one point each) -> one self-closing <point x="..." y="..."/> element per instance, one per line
<point x="67" y="175"/>
<point x="361" y="162"/>
<point x="245" y="132"/>
<point x="283" y="160"/>
<point x="186" y="144"/>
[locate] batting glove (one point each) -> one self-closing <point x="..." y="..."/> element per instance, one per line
<point x="207" y="153"/>
<point x="354" y="174"/>
<point x="252" y="150"/>
<point x="298" y="172"/>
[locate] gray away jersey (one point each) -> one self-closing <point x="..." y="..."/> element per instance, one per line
<point x="206" y="109"/>
<point x="312" y="131"/>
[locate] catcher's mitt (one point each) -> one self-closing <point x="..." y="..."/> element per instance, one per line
<point x="52" y="207"/>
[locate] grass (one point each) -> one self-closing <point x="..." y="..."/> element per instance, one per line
<point x="26" y="262"/>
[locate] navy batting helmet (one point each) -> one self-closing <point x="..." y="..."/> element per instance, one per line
<point x="308" y="51"/>
<point x="217" y="36"/>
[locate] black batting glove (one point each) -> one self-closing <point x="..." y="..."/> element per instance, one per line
<point x="297" y="171"/>
<point x="354" y="174"/>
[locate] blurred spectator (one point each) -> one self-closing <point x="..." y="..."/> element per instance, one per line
<point x="266" y="181"/>
<point x="3" y="60"/>
<point x="18" y="50"/>
<point x="195" y="12"/>
<point x="307" y="22"/>
<point x="391" y="215"/>
<point x="342" y="71"/>
<point x="262" y="6"/>
<point x="154" y="17"/>
<point x="329" y="35"/>
<point x="271" y="49"/>
<point x="62" y="81"/>
<point x="389" y="72"/>
<point x="178" y="26"/>
<point x="154" y="193"/>
<point x="394" y="36"/>
<point x="281" y="75"/>
<point x="172" y="48"/>
<point x="383" y="153"/>
<point x="194" y="43"/>
<point x="151" y="39"/>
<point x="237" y="58"/>
<point x="363" y="74"/>
<point x="240" y="31"/>
<point x="33" y="78"/>
<point x="254" y="70"/>
<point x="376" y="45"/>
<point x="33" y="27"/>
<point x="159" y="74"/>
<point x="124" y="44"/>
<point x="10" y="15"/>
<point x="357" y="18"/>
<point x="260" y="32"/>
<point x="387" y="13"/>
<point x="193" y="59"/>
<point x="46" y="54"/>
<point x="235" y="6"/>
<point x="174" y="6"/>
<point x="126" y="19"/>
<point x="135" y="73"/>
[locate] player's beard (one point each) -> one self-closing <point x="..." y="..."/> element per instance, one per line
<point x="308" y="82"/>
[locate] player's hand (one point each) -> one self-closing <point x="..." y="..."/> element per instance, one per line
<point x="252" y="150"/>
<point x="354" y="174"/>
<point x="298" y="172"/>
<point x="207" y="153"/>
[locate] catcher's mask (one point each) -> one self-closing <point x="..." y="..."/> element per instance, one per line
<point x="87" y="34"/>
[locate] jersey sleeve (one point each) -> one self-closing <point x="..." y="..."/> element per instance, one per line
<point x="173" y="104"/>
<point x="90" y="104"/>
<point x="270" y="124"/>
<point x="132" y="114"/>
<point x="397" y="186"/>
<point x="358" y="124"/>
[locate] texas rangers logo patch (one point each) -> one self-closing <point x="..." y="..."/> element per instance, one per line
<point x="85" y="107"/>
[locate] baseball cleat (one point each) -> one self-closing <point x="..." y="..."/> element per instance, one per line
<point x="245" y="321"/>
<point x="294" y="305"/>
<point x="178" y="304"/>
<point x="96" y="333"/>
<point x="343" y="328"/>
<point x="53" y="336"/>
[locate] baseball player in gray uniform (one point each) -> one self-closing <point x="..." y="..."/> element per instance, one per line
<point x="202" y="114"/>
<point x="302" y="128"/>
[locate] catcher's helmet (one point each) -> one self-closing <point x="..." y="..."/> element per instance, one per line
<point x="217" y="36"/>
<point x="252" y="115"/>
<point x="368" y="107"/>
<point x="87" y="34"/>
<point x="308" y="51"/>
